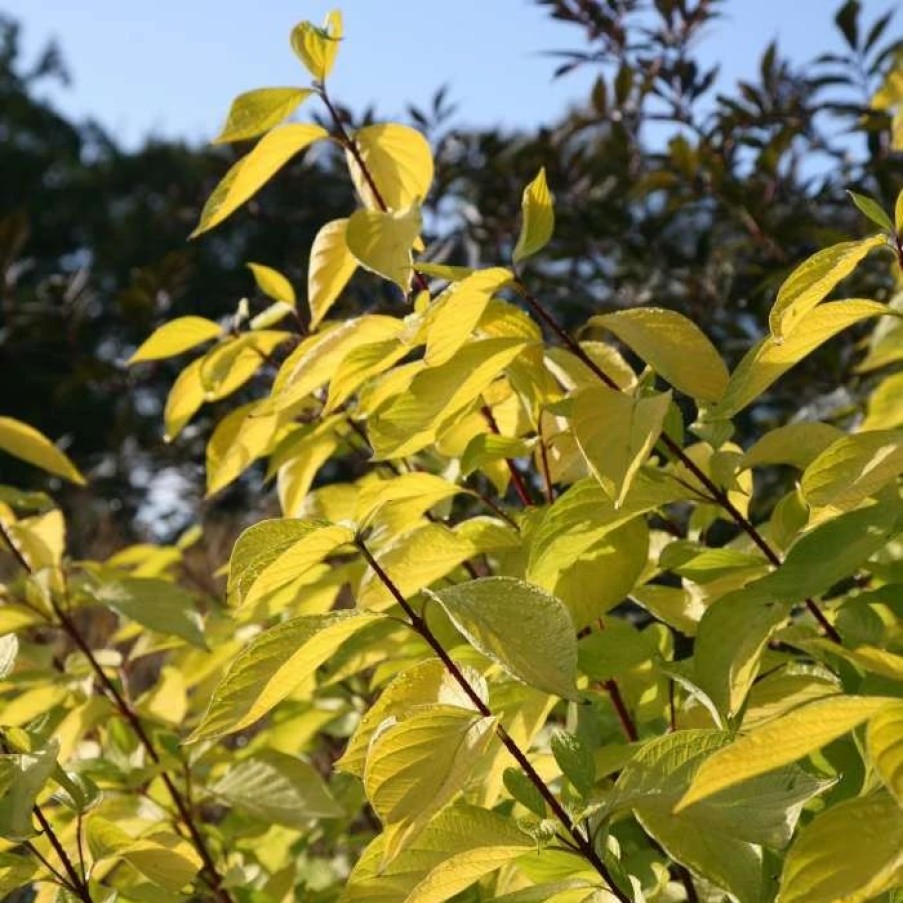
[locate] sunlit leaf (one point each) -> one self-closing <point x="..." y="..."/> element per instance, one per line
<point x="331" y="266"/>
<point x="317" y="47"/>
<point x="884" y="740"/>
<point x="25" y="442"/>
<point x="537" y="218"/>
<point x="174" y="337"/>
<point x="272" y="283"/>
<point x="256" y="112"/>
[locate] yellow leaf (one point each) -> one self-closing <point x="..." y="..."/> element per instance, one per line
<point x="675" y="347"/>
<point x="239" y="439"/>
<point x="272" y="283"/>
<point x="616" y="432"/>
<point x="813" y="279"/>
<point x="884" y="741"/>
<point x="174" y="337"/>
<point x="360" y="364"/>
<point x="317" y="47"/>
<point x="537" y="218"/>
<point x="254" y="170"/>
<point x="436" y="395"/>
<point x="399" y="161"/>
<point x="25" y="442"/>
<point x="256" y="112"/>
<point x="331" y="266"/>
<point x="185" y="398"/>
<point x="797" y="444"/>
<point x="780" y="742"/>
<point x="885" y="405"/>
<point x="382" y="242"/>
<point x="770" y="359"/>
<point x="850" y="853"/>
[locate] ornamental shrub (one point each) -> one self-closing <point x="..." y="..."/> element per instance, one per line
<point x="524" y="630"/>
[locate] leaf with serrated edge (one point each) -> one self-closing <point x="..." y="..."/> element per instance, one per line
<point x="780" y="742"/>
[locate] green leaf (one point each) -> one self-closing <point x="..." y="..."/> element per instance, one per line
<point x="272" y="665"/>
<point x="781" y="741"/>
<point x="29" y="772"/>
<point x="254" y="170"/>
<point x="575" y="760"/>
<point x="174" y="337"/>
<point x="163" y="858"/>
<point x="382" y="241"/>
<point x="15" y="872"/>
<point x="273" y="553"/>
<point x="898" y="213"/>
<point x="675" y="347"/>
<point x="852" y="469"/>
<point x="331" y="266"/>
<point x="813" y="279"/>
<point x="317" y="47"/>
<point x="425" y="683"/>
<point x="157" y="604"/>
<point x="437" y="395"/>
<point x="873" y="210"/>
<point x="537" y="218"/>
<point x="399" y="161"/>
<point x="272" y="283"/>
<point x="460" y="845"/>
<point x="256" y="112"/>
<point x="524" y="791"/>
<point x="768" y="360"/>
<point x="278" y="789"/>
<point x="616" y="433"/>
<point x="524" y="629"/>
<point x="884" y="741"/>
<point x="851" y="852"/>
<point x="796" y="444"/>
<point x="417" y="765"/>
<point x="23" y="441"/>
<point x="609" y="653"/>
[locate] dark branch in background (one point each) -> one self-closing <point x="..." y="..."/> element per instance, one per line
<point x="582" y="844"/>
<point x="131" y="717"/>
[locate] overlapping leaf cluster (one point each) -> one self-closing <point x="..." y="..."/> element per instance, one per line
<point x="542" y="645"/>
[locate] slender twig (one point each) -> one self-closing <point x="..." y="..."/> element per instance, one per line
<point x="520" y="487"/>
<point x="583" y="844"/>
<point x="628" y="725"/>
<point x="77" y="885"/>
<point x="719" y="495"/>
<point x="544" y="459"/>
<point x="131" y="717"/>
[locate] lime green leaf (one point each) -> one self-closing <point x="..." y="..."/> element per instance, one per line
<point x="254" y="170"/>
<point x="884" y="740"/>
<point x="15" y="872"/>
<point x="403" y="499"/>
<point x="278" y="789"/>
<point x="272" y="283"/>
<point x="813" y="279"/>
<point x="163" y="858"/>
<point x="399" y="161"/>
<point x="852" y="469"/>
<point x="417" y="765"/>
<point x="460" y="845"/>
<point x="575" y="760"/>
<point x="781" y="741"/>
<point x="9" y="649"/>
<point x="457" y="311"/>
<point x="157" y="604"/>
<point x="23" y="441"/>
<point x="616" y="432"/>
<point x="272" y="665"/>
<point x="771" y="358"/>
<point x="873" y="210"/>
<point x="537" y="218"/>
<point x="796" y="444"/>
<point x="675" y="347"/>
<point x="727" y="862"/>
<point x="524" y="791"/>
<point x="898" y="213"/>
<point x="331" y="266"/>
<point x="851" y="852"/>
<point x="487" y="448"/>
<point x="423" y="684"/>
<point x="256" y="112"/>
<point x="382" y="242"/>
<point x="317" y="47"/>
<point x="273" y="553"/>
<point x="609" y="653"/>
<point x="885" y="404"/>
<point x="29" y="772"/>
<point x="174" y="337"/>
<point x="437" y="395"/>
<point x="526" y="630"/>
<point x="360" y="364"/>
<point x="414" y="561"/>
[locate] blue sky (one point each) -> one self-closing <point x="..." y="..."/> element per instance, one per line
<point x="171" y="68"/>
